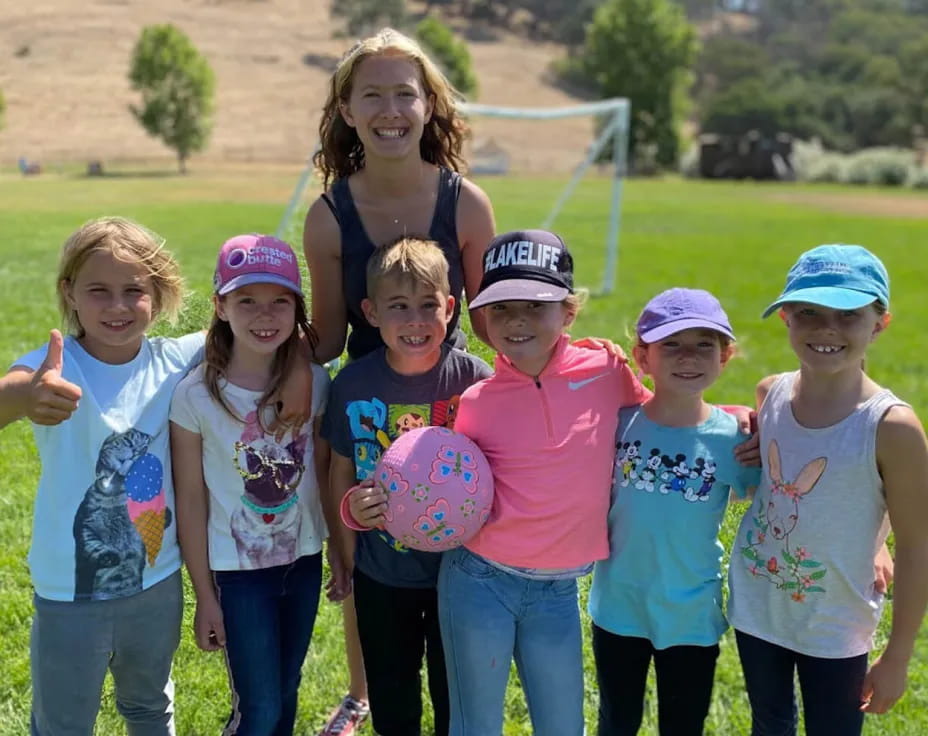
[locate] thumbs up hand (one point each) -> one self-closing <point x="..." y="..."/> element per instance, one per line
<point x="52" y="399"/>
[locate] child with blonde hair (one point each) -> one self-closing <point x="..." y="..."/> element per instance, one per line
<point x="415" y="372"/>
<point x="843" y="458"/>
<point x="104" y="559"/>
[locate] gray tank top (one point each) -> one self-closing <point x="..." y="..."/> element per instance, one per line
<point x="357" y="248"/>
<point x="801" y="572"/>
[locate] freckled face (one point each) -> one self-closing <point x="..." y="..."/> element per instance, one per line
<point x="832" y="339"/>
<point x="388" y="106"/>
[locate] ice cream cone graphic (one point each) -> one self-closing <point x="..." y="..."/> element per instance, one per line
<point x="145" y="503"/>
<point x="150" y="526"/>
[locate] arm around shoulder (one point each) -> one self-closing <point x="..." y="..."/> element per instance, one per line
<point x="476" y="228"/>
<point x="322" y="242"/>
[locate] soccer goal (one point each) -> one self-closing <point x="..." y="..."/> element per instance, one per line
<point x="614" y="111"/>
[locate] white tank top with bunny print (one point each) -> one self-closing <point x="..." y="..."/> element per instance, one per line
<point x="801" y="572"/>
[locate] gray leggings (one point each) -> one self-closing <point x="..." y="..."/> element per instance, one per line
<point x="74" y="642"/>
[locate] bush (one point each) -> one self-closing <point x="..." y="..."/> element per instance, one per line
<point x="880" y="166"/>
<point x="918" y="178"/>
<point x="812" y="162"/>
<point x="689" y="162"/>
<point x="870" y="166"/>
<point x="830" y="168"/>
<point x="176" y="83"/>
<point x="452" y="55"/>
<point x="643" y="50"/>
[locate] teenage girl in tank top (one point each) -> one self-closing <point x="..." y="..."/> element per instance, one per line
<point x="390" y="153"/>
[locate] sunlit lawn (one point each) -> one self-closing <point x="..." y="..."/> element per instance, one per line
<point x="735" y="240"/>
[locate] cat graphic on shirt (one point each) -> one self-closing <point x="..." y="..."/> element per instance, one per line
<point x="109" y="555"/>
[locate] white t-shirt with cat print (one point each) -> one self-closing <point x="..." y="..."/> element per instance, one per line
<point x="103" y="525"/>
<point x="264" y="507"/>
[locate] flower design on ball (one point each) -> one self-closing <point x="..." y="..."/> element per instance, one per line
<point x="391" y="481"/>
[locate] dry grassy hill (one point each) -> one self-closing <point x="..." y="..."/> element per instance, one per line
<point x="63" y="67"/>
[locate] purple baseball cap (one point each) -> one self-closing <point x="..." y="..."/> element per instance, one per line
<point x="256" y="259"/>
<point x="679" y="309"/>
<point x="525" y="265"/>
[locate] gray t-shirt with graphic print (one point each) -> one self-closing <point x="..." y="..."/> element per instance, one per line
<point x="370" y="405"/>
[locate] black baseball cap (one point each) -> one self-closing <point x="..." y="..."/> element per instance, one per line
<point x="525" y="265"/>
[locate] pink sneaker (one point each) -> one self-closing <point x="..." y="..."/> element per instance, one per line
<point x="347" y="718"/>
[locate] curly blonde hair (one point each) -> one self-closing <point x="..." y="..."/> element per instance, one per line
<point x="129" y="242"/>
<point x="341" y="152"/>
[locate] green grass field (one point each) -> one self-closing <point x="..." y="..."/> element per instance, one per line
<point x="736" y="240"/>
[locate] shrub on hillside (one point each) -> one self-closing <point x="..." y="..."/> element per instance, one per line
<point x="642" y="50"/>
<point x="177" y="84"/>
<point x="357" y="18"/>
<point x="451" y="54"/>
<point x="881" y="166"/>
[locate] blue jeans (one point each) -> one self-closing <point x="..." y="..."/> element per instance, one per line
<point x="830" y="690"/>
<point x="73" y="643"/>
<point x="488" y="616"/>
<point x="268" y="617"/>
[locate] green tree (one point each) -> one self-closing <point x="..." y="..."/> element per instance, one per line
<point x="451" y="54"/>
<point x="643" y="50"/>
<point x="177" y="85"/>
<point x="362" y="17"/>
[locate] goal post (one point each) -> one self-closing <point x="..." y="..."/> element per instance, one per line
<point x="616" y="111"/>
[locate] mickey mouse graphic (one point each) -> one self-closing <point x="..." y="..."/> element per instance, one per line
<point x="678" y="473"/>
<point x="706" y="468"/>
<point x="631" y="460"/>
<point x="648" y="473"/>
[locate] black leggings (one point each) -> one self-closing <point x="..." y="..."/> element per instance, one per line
<point x="830" y="689"/>
<point x="396" y="626"/>
<point x="684" y="684"/>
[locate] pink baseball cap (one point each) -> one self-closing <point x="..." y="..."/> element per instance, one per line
<point x="256" y="259"/>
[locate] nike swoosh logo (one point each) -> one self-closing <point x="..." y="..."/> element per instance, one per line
<point x="574" y="385"/>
